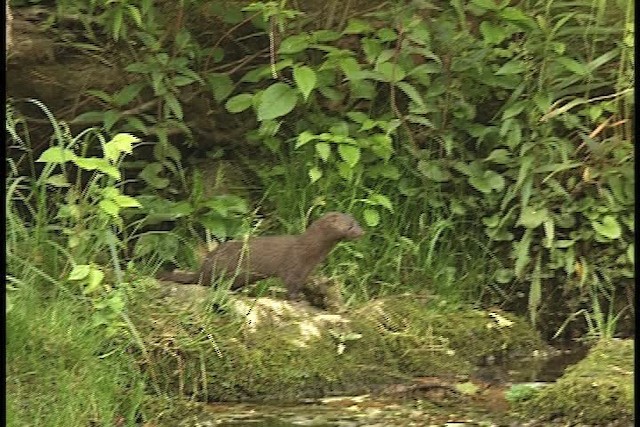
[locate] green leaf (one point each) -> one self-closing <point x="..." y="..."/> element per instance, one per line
<point x="321" y="36"/>
<point x="630" y="253"/>
<point x="90" y="117"/>
<point x="522" y="253"/>
<point x="305" y="137"/>
<point x="487" y="182"/>
<point x="532" y="218"/>
<point x="514" y="109"/>
<point x="391" y="72"/>
<point x="386" y="34"/>
<point x="110" y="118"/>
<point x="324" y="150"/>
<point x="305" y="79"/>
<point x="609" y="227"/>
<point x="574" y="66"/>
<point x="139" y="67"/>
<point x="491" y="221"/>
<point x="174" y="105"/>
<point x="511" y="67"/>
<point x="135" y="14"/>
<point x="434" y="171"/>
<point x="504" y="275"/>
<point x="345" y="171"/>
<point x="500" y="156"/>
<point x="79" y="272"/>
<point x="371" y="217"/>
<point x="221" y="85"/>
<point x="381" y="200"/>
<point x="58" y="180"/>
<point x="126" y="201"/>
<point x="109" y="207"/>
<point x="468" y="388"/>
<point x="102" y="165"/>
<point x="127" y="94"/>
<point x="276" y="101"/>
<point x="56" y="155"/>
<point x="517" y="16"/>
<point x="121" y="143"/>
<point x="315" y="174"/>
<point x="182" y="80"/>
<point x="412" y="93"/>
<point x="294" y="44"/>
<point x="549" y="232"/>
<point x="486" y="4"/>
<point x="150" y="174"/>
<point x="239" y="103"/>
<point x="357" y="26"/>
<point x="102" y="95"/>
<point x="563" y="243"/>
<point x="136" y="124"/>
<point x="349" y="153"/>
<point x="371" y="48"/>
<point x="94" y="281"/>
<point x="163" y="149"/>
<point x="116" y="302"/>
<point x="493" y="34"/>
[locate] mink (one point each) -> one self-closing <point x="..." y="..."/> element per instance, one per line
<point x="292" y="258"/>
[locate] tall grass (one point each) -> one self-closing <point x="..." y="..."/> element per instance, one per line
<point x="61" y="368"/>
<point x="415" y="248"/>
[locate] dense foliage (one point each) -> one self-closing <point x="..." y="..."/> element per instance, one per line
<point x="486" y="145"/>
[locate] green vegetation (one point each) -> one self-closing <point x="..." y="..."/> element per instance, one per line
<point x="486" y="146"/>
<point x="602" y="378"/>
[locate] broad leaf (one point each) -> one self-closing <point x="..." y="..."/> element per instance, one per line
<point x="294" y="44"/>
<point x="305" y="79"/>
<point x="434" y="171"/>
<point x="102" y="165"/>
<point x="349" y="153"/>
<point x="487" y="182"/>
<point x="239" y="103"/>
<point x="315" y="174"/>
<point x="276" y="101"/>
<point x="609" y="227"/>
<point x="305" y="137"/>
<point x="324" y="150"/>
<point x="121" y="143"/>
<point x="221" y="85"/>
<point x="532" y="217"/>
<point x="79" y="272"/>
<point x="94" y="281"/>
<point x="56" y="155"/>
<point x="110" y="207"/>
<point x="511" y="67"/>
<point x="382" y="200"/>
<point x="492" y="34"/>
<point x="371" y="217"/>
<point x="126" y="201"/>
<point x="150" y="174"/>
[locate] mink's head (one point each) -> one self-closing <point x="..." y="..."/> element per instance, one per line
<point x="337" y="226"/>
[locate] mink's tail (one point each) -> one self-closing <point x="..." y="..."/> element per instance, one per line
<point x="179" y="276"/>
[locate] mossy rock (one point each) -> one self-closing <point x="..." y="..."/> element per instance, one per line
<point x="214" y="346"/>
<point x="596" y="391"/>
<point x="474" y="334"/>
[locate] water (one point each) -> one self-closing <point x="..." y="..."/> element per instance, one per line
<point x="423" y="410"/>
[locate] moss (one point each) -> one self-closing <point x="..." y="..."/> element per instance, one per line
<point x="597" y="390"/>
<point x="473" y="334"/>
<point x="284" y="351"/>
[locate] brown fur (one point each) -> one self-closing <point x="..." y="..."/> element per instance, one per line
<point x="291" y="258"/>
